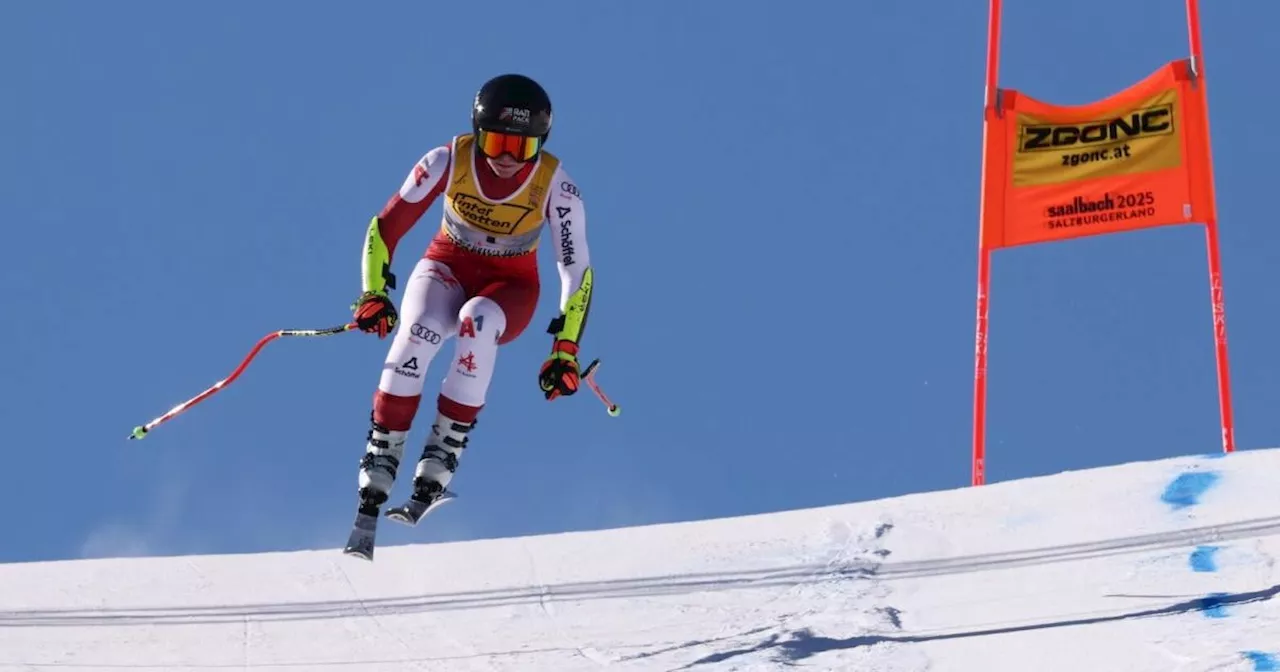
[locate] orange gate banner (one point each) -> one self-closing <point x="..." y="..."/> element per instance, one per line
<point x="1137" y="159"/>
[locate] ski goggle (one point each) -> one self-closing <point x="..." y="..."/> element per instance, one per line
<point x="495" y="143"/>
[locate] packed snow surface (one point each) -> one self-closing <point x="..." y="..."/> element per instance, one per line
<point x="1165" y="566"/>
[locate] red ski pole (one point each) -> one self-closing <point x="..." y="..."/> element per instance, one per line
<point x="140" y="431"/>
<point x="589" y="375"/>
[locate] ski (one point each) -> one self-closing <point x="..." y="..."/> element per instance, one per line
<point x="364" y="531"/>
<point x="413" y="510"/>
<point x="363" y="535"/>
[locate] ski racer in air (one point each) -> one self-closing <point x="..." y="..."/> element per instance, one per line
<point x="477" y="283"/>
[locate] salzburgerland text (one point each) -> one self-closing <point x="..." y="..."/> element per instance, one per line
<point x="1110" y="208"/>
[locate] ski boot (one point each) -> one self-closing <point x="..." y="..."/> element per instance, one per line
<point x="435" y="470"/>
<point x="383" y="452"/>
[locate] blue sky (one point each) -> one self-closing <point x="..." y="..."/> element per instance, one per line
<point x="782" y="211"/>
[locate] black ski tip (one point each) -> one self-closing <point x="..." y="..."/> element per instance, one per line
<point x="405" y="514"/>
<point x="399" y="515"/>
<point x="358" y="553"/>
<point x="363" y="536"/>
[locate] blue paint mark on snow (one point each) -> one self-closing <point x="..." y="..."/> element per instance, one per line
<point x="1187" y="488"/>
<point x="1202" y="559"/>
<point x="1212" y="606"/>
<point x="1263" y="662"/>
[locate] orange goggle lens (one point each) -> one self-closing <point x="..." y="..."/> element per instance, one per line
<point x="494" y="144"/>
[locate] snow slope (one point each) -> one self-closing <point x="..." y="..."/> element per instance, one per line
<point x="1165" y="566"/>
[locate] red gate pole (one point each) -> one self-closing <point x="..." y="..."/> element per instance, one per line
<point x="984" y="261"/>
<point x="1211" y="243"/>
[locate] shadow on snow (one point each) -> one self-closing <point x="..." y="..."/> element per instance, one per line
<point x="804" y="644"/>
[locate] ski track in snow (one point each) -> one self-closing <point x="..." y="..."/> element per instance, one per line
<point x="379" y="629"/>
<point x="548" y="610"/>
<point x="1166" y="566"/>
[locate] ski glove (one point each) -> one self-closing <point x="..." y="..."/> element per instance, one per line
<point x="559" y="375"/>
<point x="375" y="314"/>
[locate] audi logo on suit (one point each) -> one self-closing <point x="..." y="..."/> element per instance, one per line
<point x="425" y="334"/>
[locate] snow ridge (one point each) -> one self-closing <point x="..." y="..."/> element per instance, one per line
<point x="1166" y="565"/>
